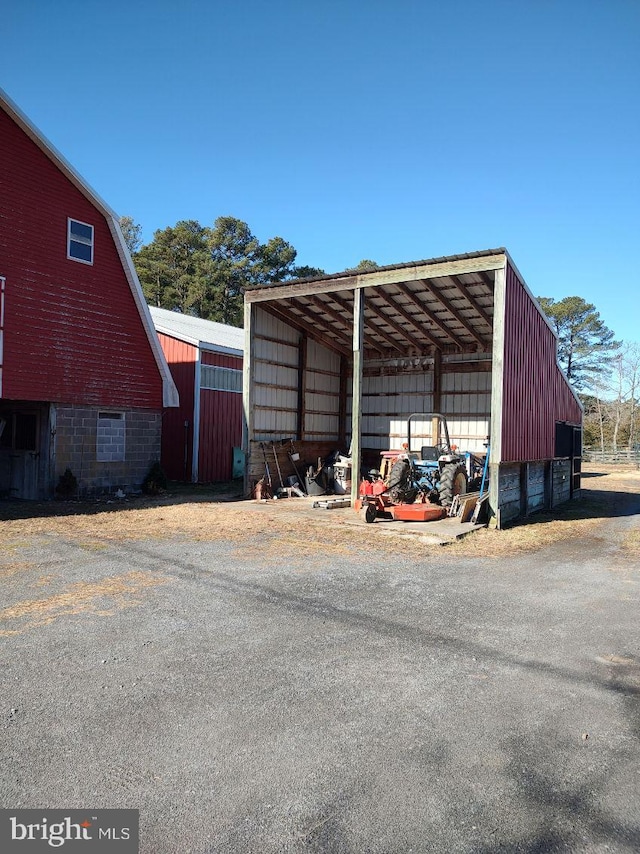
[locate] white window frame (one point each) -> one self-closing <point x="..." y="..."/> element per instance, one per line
<point x="77" y="239"/>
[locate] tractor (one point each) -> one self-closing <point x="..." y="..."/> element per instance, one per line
<point x="419" y="486"/>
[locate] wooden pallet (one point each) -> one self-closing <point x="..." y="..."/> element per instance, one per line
<point x="463" y="506"/>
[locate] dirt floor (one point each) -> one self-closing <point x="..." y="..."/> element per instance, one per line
<point x="291" y="526"/>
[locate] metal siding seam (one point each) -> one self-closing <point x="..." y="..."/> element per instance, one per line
<point x="196" y="418"/>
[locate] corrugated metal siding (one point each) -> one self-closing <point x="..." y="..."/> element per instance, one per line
<point x="220" y="360"/>
<point x="275" y="377"/>
<point x="535" y="393"/>
<point x="220" y="424"/>
<point x="466" y="402"/>
<point x="177" y="441"/>
<point x="322" y="393"/>
<point x="220" y="432"/>
<point x="220" y="417"/>
<point x="389" y="400"/>
<point x="73" y="333"/>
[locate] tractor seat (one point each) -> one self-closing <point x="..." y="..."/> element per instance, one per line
<point x="430" y="453"/>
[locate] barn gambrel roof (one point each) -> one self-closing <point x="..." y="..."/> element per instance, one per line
<point x="169" y="391"/>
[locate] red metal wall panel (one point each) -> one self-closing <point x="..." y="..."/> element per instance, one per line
<point x="220" y="432"/>
<point x="222" y="361"/>
<point x="73" y="333"/>
<point x="177" y="439"/>
<point x="535" y="392"/>
<point x="220" y="424"/>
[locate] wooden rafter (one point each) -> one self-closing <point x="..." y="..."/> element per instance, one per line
<point x="422" y="307"/>
<point x="472" y="301"/>
<point x="377" y="310"/>
<point x="343" y="335"/>
<point x="486" y="281"/>
<point x="405" y="314"/>
<point x="367" y="337"/>
<point x="331" y="312"/>
<point x="450" y="307"/>
<point x="303" y="327"/>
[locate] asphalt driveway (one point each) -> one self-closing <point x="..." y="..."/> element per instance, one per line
<point x="365" y="702"/>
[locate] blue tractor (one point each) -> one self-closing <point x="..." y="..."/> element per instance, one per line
<point x="436" y="473"/>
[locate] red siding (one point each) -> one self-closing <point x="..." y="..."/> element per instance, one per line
<point x="220" y="424"/>
<point x="221" y="360"/>
<point x="73" y="333"/>
<point x="177" y="441"/>
<point x="535" y="392"/>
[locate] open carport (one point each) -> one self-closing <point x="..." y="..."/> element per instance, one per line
<point x="341" y="362"/>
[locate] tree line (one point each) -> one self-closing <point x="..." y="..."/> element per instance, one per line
<point x="203" y="270"/>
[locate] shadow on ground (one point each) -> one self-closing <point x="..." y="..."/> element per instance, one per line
<point x="594" y="504"/>
<point x="176" y="493"/>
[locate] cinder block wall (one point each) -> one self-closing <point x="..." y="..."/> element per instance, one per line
<point x="76" y="448"/>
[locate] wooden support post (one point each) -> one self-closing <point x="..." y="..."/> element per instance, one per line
<point x="437" y="396"/>
<point x="248" y="392"/>
<point x="302" y="384"/>
<point x="497" y="390"/>
<point x="356" y="402"/>
<point x="342" y="403"/>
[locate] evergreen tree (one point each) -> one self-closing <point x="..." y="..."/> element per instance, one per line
<point x="132" y="233"/>
<point x="203" y="271"/>
<point x="171" y="268"/>
<point x="585" y="345"/>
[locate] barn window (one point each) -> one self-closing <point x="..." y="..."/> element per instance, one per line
<point x="79" y="241"/>
<point x="110" y="437"/>
<point x="221" y="379"/>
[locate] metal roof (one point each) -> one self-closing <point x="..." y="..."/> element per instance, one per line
<point x="417" y="308"/>
<point x="206" y="334"/>
<point x="351" y="272"/>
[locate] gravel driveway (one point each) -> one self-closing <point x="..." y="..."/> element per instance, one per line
<point x="344" y="700"/>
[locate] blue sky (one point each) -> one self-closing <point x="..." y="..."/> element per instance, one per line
<point x="355" y="129"/>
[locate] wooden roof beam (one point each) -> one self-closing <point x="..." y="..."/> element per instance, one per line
<point x="414" y="272"/>
<point x="405" y="314"/>
<point x="339" y="318"/>
<point x="404" y="289"/>
<point x="394" y="344"/>
<point x="487" y="281"/>
<point x="377" y="310"/>
<point x="472" y="302"/>
<point x="312" y="332"/>
<point x="455" y="313"/>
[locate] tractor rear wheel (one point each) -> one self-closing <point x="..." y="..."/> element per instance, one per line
<point x="453" y="481"/>
<point x="400" y="475"/>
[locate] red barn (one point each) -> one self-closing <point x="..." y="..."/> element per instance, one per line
<point x="202" y="438"/>
<point x="83" y="379"/>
